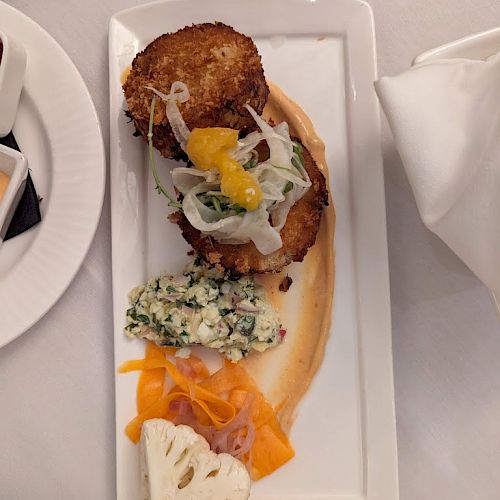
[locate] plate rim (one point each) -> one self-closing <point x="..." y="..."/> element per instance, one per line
<point x="375" y="476"/>
<point x="452" y="49"/>
<point x="99" y="182"/>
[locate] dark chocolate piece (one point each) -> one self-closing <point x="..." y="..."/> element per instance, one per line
<point x="27" y="213"/>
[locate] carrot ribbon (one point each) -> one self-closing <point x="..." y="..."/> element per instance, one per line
<point x="215" y="401"/>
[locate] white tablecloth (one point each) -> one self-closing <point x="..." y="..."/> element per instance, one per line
<point x="56" y="381"/>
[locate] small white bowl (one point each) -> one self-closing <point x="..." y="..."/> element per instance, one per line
<point x="12" y="68"/>
<point x="15" y="165"/>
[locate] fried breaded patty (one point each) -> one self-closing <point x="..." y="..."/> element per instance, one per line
<point x="222" y="70"/>
<point x="298" y="233"/>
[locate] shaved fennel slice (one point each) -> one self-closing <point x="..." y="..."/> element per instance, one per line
<point x="280" y="151"/>
<point x="237" y="229"/>
<point x="186" y="178"/>
<point x="279" y="213"/>
<point x="282" y="182"/>
<point x="271" y="192"/>
<point x="280" y="148"/>
<point x="285" y="173"/>
<point x="243" y="149"/>
<point x="177" y="124"/>
<point x="283" y="130"/>
<point x="179" y="92"/>
<point x="256" y="227"/>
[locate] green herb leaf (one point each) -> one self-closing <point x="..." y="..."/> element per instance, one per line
<point x="252" y="162"/>
<point x="238" y="209"/>
<point x="297" y="147"/>
<point x="143" y="318"/>
<point x="216" y="204"/>
<point x="245" y="325"/>
<point x="298" y="158"/>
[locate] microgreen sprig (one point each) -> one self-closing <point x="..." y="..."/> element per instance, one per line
<point x="172" y="202"/>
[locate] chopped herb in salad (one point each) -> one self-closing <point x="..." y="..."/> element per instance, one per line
<point x="204" y="306"/>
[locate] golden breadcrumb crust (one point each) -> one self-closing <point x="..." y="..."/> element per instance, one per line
<point x="298" y="234"/>
<point x="222" y="70"/>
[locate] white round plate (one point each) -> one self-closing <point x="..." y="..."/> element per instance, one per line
<point x="58" y="130"/>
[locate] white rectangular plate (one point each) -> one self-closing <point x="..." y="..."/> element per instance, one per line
<point x="322" y="54"/>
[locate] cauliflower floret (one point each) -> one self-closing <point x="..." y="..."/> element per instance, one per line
<point x="177" y="464"/>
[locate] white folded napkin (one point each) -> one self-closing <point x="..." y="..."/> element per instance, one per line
<point x="445" y="118"/>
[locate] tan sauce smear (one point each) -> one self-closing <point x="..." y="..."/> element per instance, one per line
<point x="285" y="373"/>
<point x="4" y="182"/>
<point x="124" y="75"/>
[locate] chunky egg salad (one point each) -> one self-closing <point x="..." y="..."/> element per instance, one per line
<point x="204" y="306"/>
